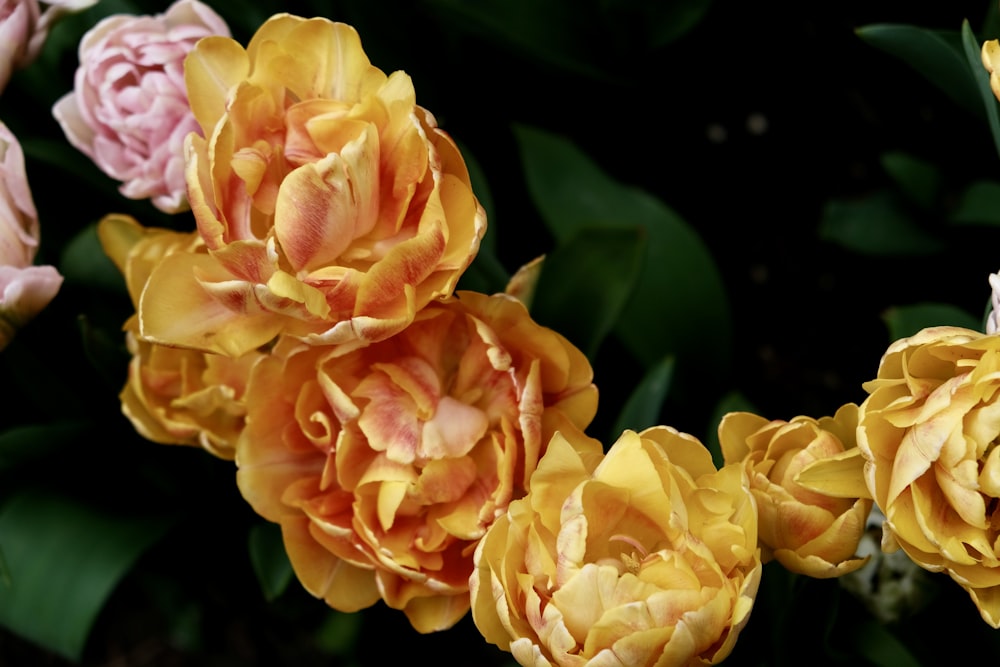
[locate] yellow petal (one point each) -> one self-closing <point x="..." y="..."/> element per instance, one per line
<point x="840" y="476"/>
<point x="176" y="310"/>
<point x="734" y="429"/>
<point x="211" y="69"/>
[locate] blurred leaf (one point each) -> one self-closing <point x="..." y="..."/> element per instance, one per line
<point x="481" y="188"/>
<point x="733" y="401"/>
<point x="904" y="321"/>
<point x="337" y="634"/>
<point x="679" y="304"/>
<point x="36" y="380"/>
<point x="991" y="24"/>
<point x="918" y="179"/>
<point x="876" y="225"/>
<point x="973" y="51"/>
<point x="879" y="646"/>
<point x="24" y="444"/>
<point x="64" y="560"/>
<point x="107" y="353"/>
<point x="269" y="559"/>
<point x="979" y="205"/>
<point x="486" y="274"/>
<point x="62" y="155"/>
<point x="643" y="407"/>
<point x="83" y="261"/>
<point x="183" y="614"/>
<point x="585" y="282"/>
<point x="935" y="54"/>
<point x="545" y="31"/>
<point x="658" y="22"/>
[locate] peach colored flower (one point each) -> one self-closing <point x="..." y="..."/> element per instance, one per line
<point x="24" y="289"/>
<point x="928" y="431"/>
<point x="24" y="28"/>
<point x="332" y="206"/>
<point x="808" y="530"/>
<point x="646" y="556"/>
<point x="174" y="395"/>
<point x="384" y="465"/>
<point x="129" y="110"/>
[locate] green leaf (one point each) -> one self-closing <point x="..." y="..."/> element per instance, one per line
<point x="937" y="55"/>
<point x="30" y="375"/>
<point x="879" y="646"/>
<point x="991" y="24"/>
<point x="64" y="559"/>
<point x="585" y="283"/>
<point x="978" y="205"/>
<point x="658" y="23"/>
<point x="918" y="179"/>
<point x="679" y="305"/>
<point x="338" y="633"/>
<point x="643" y="407"/>
<point x="486" y="274"/>
<point x="24" y="444"/>
<point x="876" y="225"/>
<point x="973" y="52"/>
<point x="84" y="262"/>
<point x="481" y="188"/>
<point x="552" y="32"/>
<point x="269" y="559"/>
<point x="904" y="321"/>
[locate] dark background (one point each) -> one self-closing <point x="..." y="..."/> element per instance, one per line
<point x="747" y="126"/>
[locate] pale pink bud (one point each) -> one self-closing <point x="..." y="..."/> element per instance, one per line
<point x="129" y="110"/>
<point x="23" y="29"/>
<point x="991" y="320"/>
<point x="24" y="289"/>
<point x="18" y="19"/>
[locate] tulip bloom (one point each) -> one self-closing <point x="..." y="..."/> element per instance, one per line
<point x="129" y="111"/>
<point x="174" y="395"/>
<point x="385" y="464"/>
<point x="928" y="431"/>
<point x="813" y="531"/>
<point x="332" y="207"/>
<point x="646" y="556"/>
<point x="24" y="28"/>
<point x="24" y="289"/>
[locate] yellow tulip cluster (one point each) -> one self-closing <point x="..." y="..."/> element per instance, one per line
<point x="426" y="448"/>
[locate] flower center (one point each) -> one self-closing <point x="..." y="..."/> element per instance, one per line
<point x="630" y="562"/>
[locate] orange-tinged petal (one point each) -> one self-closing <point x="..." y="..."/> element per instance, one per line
<point x="400" y="453"/>
<point x="175" y="309"/>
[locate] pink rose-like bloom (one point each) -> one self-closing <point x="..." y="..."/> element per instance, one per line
<point x="129" y="110"/>
<point x="24" y="289"/>
<point x="23" y="29"/>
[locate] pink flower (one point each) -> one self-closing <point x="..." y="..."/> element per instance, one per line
<point x="129" y="110"/>
<point x="24" y="289"/>
<point x="23" y="29"/>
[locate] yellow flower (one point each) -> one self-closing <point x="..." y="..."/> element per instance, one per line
<point x="174" y="395"/>
<point x="991" y="61"/>
<point x="331" y="206"/>
<point x="929" y="430"/>
<point x="647" y="556"/>
<point x="810" y="530"/>
<point x="384" y="465"/>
